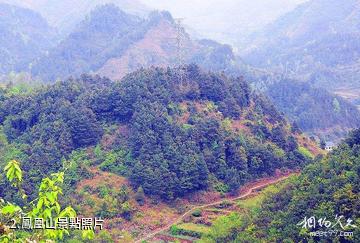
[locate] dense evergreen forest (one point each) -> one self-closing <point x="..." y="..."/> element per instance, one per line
<point x="172" y="134"/>
<point x="323" y="52"/>
<point x="326" y="189"/>
<point x="314" y="109"/>
<point x="113" y="43"/>
<point x="114" y="111"/>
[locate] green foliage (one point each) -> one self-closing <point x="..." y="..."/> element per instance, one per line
<point x="196" y="213"/>
<point x="108" y="208"/>
<point x="75" y="168"/>
<point x="13" y="172"/>
<point x="304" y="151"/>
<point x="104" y="236"/>
<point x="126" y="210"/>
<point x="174" y="230"/>
<point x="182" y="163"/>
<point x="315" y="108"/>
<point x="10" y="209"/>
<point x="354" y="138"/>
<point x="236" y="226"/>
<point x="144" y="139"/>
<point x="123" y="194"/>
<point x="19" y="84"/>
<point x="223" y="229"/>
<point x="113" y="203"/>
<point x="103" y="191"/>
<point x="140" y="196"/>
<point x="113" y="161"/>
<point x="193" y="230"/>
<point x="186" y="158"/>
<point x="46" y="206"/>
<point x="326" y="188"/>
<point x="221" y="187"/>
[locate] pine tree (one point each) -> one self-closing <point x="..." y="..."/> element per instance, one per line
<point x="140" y="196"/>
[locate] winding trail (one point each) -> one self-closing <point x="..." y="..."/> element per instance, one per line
<point x="241" y="196"/>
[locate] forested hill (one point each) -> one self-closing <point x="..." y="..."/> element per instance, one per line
<point x="25" y="35"/>
<point x="316" y="42"/>
<point x="108" y="31"/>
<point x="168" y="133"/>
<point x="65" y="15"/>
<point x="113" y="43"/>
<point x="326" y="190"/>
<point x="315" y="110"/>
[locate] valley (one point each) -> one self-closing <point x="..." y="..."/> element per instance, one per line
<point x="351" y="94"/>
<point x="212" y="211"/>
<point x="121" y="113"/>
<point x="114" y="41"/>
<point x="156" y="221"/>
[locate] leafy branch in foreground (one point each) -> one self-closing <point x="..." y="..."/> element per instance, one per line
<point x="46" y="206"/>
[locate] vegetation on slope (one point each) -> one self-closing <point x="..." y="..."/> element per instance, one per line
<point x="314" y="110"/>
<point x="226" y="226"/>
<point x="326" y="189"/>
<point x="46" y="206"/>
<point x="174" y="136"/>
<point x="25" y="35"/>
<point x="319" y="49"/>
<point x="114" y="43"/>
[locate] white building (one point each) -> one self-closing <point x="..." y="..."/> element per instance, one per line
<point x="329" y="146"/>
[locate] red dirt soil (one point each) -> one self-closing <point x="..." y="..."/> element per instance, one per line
<point x="245" y="191"/>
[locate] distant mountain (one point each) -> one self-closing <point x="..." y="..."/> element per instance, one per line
<point x="314" y="110"/>
<point x="66" y="14"/>
<point x="159" y="47"/>
<point x="176" y="136"/>
<point x="113" y="43"/>
<point x="318" y="42"/>
<point x="25" y="35"/>
<point x="227" y="21"/>
<point x="107" y="32"/>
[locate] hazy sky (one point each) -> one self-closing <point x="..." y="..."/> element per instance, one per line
<point x="225" y="20"/>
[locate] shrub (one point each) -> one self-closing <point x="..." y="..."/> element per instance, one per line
<point x="304" y="151"/>
<point x="225" y="204"/>
<point x="174" y="230"/>
<point x="140" y="196"/>
<point x="221" y="187"/>
<point x="196" y="213"/>
<point x="103" y="191"/>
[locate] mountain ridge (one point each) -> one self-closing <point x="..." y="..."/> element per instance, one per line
<point x="314" y="43"/>
<point x="143" y="42"/>
<point x="25" y="36"/>
<point x="66" y="15"/>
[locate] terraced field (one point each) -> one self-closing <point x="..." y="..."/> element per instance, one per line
<point x="201" y="220"/>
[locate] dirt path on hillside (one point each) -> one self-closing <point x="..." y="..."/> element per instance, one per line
<point x="250" y="189"/>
